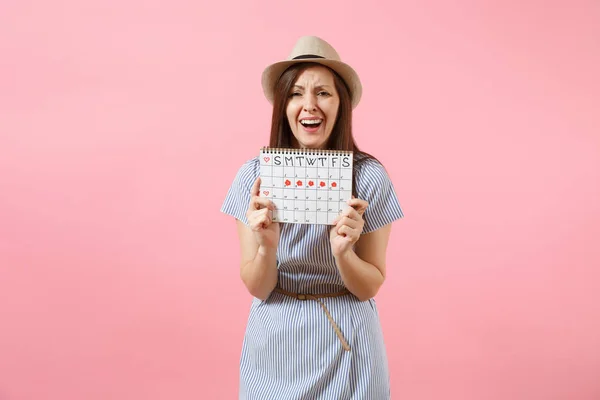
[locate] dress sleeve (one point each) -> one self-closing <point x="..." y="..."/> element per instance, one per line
<point x="374" y="185"/>
<point x="238" y="197"/>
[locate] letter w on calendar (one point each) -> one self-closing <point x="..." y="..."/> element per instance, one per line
<point x="306" y="186"/>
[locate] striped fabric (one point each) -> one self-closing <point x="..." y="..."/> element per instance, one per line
<point x="290" y="349"/>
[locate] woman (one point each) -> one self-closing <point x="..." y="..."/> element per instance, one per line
<point x="313" y="330"/>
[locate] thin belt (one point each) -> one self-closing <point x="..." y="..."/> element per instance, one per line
<point x="318" y="298"/>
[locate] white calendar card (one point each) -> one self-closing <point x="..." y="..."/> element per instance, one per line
<point x="307" y="186"/>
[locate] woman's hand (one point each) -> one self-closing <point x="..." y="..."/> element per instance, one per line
<point x="348" y="227"/>
<point x="265" y="230"/>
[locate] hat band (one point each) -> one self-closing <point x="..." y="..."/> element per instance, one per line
<point x="306" y="56"/>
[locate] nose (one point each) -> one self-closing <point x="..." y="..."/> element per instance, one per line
<point x="310" y="102"/>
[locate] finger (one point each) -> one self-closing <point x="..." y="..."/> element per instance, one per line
<point x="347" y="221"/>
<point x="350" y="213"/>
<point x="255" y="191"/>
<point x="260" y="220"/>
<point x="253" y="214"/>
<point x="346" y="231"/>
<point x="266" y="219"/>
<point x="358" y="204"/>
<point x="264" y="202"/>
<point x="262" y="212"/>
<point x="258" y="203"/>
<point x="353" y="236"/>
<point x="339" y="217"/>
<point x="354" y="222"/>
<point x="350" y="234"/>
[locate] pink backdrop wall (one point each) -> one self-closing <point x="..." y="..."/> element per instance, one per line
<point x="122" y="125"/>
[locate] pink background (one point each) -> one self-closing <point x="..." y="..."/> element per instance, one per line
<point x="122" y="125"/>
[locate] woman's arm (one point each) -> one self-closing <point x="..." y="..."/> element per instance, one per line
<point x="363" y="269"/>
<point x="258" y="246"/>
<point x="258" y="265"/>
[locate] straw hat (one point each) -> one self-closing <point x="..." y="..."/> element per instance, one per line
<point x="316" y="50"/>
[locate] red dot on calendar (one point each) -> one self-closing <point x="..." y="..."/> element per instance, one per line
<point x="311" y="183"/>
<point x="322" y="184"/>
<point x="333" y="184"/>
<point x="287" y="182"/>
<point x="299" y="183"/>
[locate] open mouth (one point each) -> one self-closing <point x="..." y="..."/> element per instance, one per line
<point x="311" y="123"/>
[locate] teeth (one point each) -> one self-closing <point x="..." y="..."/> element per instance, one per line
<point x="311" y="121"/>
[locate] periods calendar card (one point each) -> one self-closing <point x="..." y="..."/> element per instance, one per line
<point x="307" y="186"/>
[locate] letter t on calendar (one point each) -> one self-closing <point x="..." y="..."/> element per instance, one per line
<point x="307" y="186"/>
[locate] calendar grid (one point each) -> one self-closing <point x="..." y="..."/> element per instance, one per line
<point x="306" y="185"/>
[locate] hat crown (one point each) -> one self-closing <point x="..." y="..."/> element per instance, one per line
<point x="315" y="50"/>
<point x="313" y="46"/>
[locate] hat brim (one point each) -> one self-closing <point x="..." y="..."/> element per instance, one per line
<point x="272" y="73"/>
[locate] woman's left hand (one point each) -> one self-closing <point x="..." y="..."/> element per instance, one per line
<point x="348" y="227"/>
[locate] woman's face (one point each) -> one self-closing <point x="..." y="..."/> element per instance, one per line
<point x="312" y="108"/>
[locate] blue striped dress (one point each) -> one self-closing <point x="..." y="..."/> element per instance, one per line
<point x="290" y="349"/>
